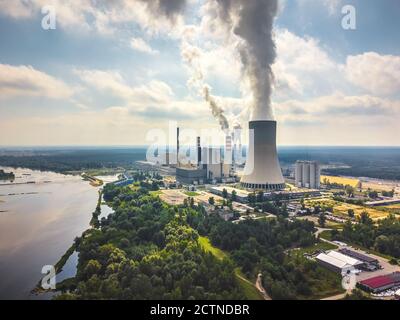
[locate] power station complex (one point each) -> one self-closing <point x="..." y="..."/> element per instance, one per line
<point x="261" y="172"/>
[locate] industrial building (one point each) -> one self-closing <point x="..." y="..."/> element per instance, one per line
<point x="307" y="174"/>
<point x="241" y="195"/>
<point x="338" y="262"/>
<point x="370" y="264"/>
<point x="190" y="175"/>
<point x="209" y="167"/>
<point x="262" y="170"/>
<point x="381" y="283"/>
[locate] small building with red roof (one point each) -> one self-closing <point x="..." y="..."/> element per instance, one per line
<point x="381" y="283"/>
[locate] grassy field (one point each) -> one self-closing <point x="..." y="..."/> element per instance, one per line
<point x="248" y="288"/>
<point x="394" y="208"/>
<point x="156" y="193"/>
<point x="318" y="246"/>
<point x="341" y="180"/>
<point x="341" y="208"/>
<point x="192" y="193"/>
<point x="378" y="186"/>
<point x="207" y="246"/>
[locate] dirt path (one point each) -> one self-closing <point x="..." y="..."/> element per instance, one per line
<point x="337" y="297"/>
<point x="260" y="287"/>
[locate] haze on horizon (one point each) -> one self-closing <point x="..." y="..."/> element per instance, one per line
<point x="109" y="73"/>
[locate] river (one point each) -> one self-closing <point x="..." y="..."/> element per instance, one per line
<point x="38" y="223"/>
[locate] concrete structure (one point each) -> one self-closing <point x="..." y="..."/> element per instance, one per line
<point x="338" y="262"/>
<point x="262" y="169"/>
<point x="385" y="202"/>
<point x="241" y="195"/>
<point x="190" y="175"/>
<point x="307" y="174"/>
<point x="212" y="163"/>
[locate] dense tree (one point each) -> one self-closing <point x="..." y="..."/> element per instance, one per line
<point x="322" y="220"/>
<point x="147" y="250"/>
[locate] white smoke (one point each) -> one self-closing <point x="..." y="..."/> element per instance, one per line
<point x="252" y="22"/>
<point x="191" y="55"/>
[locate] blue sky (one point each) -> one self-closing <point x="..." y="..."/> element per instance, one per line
<point x="110" y="73"/>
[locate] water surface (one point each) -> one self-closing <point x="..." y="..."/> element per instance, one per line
<point x="38" y="223"/>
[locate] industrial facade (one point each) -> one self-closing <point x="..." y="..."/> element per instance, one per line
<point x="307" y="174"/>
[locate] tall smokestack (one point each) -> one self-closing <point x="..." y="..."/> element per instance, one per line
<point x="177" y="146"/>
<point x="198" y="151"/>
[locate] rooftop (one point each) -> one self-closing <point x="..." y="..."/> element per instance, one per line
<point x="332" y="261"/>
<point x="377" y="282"/>
<point x="349" y="260"/>
<point x="358" y="255"/>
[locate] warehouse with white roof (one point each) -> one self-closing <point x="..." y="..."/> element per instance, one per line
<point x="338" y="262"/>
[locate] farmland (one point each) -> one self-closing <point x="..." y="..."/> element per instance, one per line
<point x="341" y="180"/>
<point x="341" y="208"/>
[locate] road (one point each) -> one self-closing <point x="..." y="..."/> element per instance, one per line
<point x="337" y="297"/>
<point x="260" y="288"/>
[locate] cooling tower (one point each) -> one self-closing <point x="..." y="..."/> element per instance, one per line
<point x="262" y="170"/>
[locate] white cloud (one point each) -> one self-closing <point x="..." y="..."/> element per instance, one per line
<point x="154" y="99"/>
<point x="103" y="16"/>
<point x="335" y="108"/>
<point x="140" y="45"/>
<point x="302" y="65"/>
<point x="379" y="74"/>
<point x="154" y="92"/>
<point x="27" y="81"/>
<point x="16" y="9"/>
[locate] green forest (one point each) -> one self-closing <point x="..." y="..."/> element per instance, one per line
<point x="147" y="249"/>
<point x="383" y="236"/>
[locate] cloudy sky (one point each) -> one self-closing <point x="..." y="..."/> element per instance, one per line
<point x="113" y="70"/>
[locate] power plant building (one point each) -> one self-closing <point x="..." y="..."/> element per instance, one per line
<point x="262" y="170"/>
<point x="307" y="174"/>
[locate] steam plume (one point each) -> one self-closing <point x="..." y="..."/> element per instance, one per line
<point x="217" y="112"/>
<point x="252" y="21"/>
<point x="192" y="56"/>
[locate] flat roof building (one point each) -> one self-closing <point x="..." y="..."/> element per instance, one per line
<point x="359" y="256"/>
<point x="381" y="283"/>
<point x="190" y="175"/>
<point x="338" y="262"/>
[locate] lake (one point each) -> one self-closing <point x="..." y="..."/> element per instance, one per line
<point x="38" y="223"/>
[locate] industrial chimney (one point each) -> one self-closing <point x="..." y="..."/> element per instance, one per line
<point x="198" y="151"/>
<point x="262" y="170"/>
